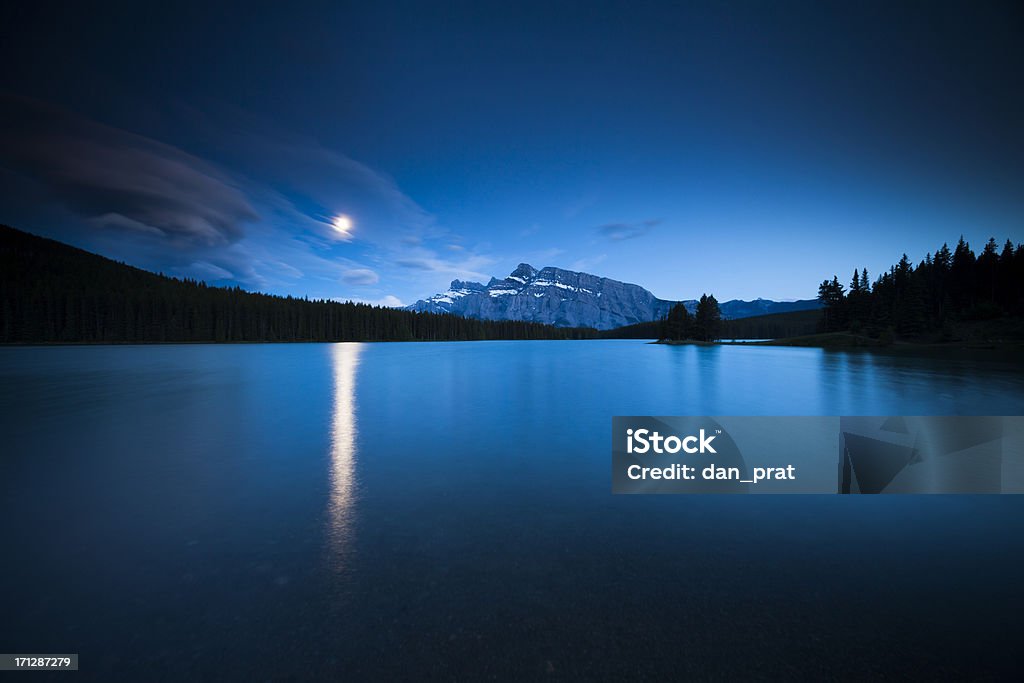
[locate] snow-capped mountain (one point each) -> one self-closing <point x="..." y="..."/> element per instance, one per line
<point x="570" y="299"/>
<point x="551" y="295"/>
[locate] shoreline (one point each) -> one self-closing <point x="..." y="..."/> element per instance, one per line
<point x="293" y="341"/>
<point x="830" y="342"/>
<point x="845" y="342"/>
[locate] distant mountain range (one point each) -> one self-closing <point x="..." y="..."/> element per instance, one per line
<point x="567" y="298"/>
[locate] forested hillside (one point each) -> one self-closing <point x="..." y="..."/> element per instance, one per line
<point x="940" y="297"/>
<point x="52" y="292"/>
<point x="774" y="326"/>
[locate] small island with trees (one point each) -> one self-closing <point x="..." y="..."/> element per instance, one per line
<point x="703" y="327"/>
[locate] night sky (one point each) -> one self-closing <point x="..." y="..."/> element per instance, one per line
<point x="746" y="149"/>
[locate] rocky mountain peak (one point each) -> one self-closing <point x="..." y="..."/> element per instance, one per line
<point x="524" y="272"/>
<point x="567" y="298"/>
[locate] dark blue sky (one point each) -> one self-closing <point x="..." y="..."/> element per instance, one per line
<point x="745" y="149"/>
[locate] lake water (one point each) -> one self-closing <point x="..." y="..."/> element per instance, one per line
<point x="444" y="511"/>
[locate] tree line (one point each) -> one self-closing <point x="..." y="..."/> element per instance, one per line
<point x="931" y="299"/>
<point x="772" y="325"/>
<point x="52" y="292"/>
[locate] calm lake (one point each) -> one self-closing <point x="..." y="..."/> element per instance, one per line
<point x="444" y="511"/>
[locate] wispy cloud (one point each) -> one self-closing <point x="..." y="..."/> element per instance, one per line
<point x="417" y="264"/>
<point x="402" y="235"/>
<point x="360" y="277"/>
<point x="588" y="264"/>
<point x="468" y="266"/>
<point x="627" y="231"/>
<point x="312" y="182"/>
<point x="258" y="212"/>
<point x="389" y="301"/>
<point x="122" y="181"/>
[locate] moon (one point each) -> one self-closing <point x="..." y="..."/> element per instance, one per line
<point x="342" y="224"/>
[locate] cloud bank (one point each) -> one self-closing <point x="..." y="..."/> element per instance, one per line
<point x="120" y="180"/>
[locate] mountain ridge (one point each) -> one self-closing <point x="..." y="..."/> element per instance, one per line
<point x="567" y="298"/>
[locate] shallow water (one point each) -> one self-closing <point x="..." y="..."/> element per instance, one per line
<point x="444" y="510"/>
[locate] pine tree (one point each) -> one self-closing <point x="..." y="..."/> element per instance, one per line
<point x="988" y="272"/>
<point x="713" y="325"/>
<point x="678" y="323"/>
<point x="708" y="319"/>
<point x="831" y="295"/>
<point x="961" y="276"/>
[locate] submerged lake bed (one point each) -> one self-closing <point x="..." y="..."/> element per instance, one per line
<point x="445" y="510"/>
